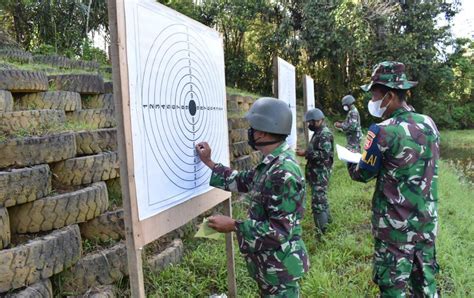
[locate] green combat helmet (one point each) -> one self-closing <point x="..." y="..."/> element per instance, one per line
<point x="348" y="100"/>
<point x="390" y="74"/>
<point x="313" y="114"/>
<point x="270" y="115"/>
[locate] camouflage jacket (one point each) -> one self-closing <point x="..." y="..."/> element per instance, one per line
<point x="271" y="236"/>
<point x="320" y="152"/>
<point x="402" y="152"/>
<point x="351" y="126"/>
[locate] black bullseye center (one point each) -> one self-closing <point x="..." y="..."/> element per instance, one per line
<point x="192" y="107"/>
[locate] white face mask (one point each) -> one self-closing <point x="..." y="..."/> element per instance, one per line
<point x="375" y="109"/>
<point x="346" y="108"/>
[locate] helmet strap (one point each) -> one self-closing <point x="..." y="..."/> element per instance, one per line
<point x="261" y="144"/>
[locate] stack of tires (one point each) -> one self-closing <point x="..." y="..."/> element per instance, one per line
<point x="242" y="157"/>
<point x="53" y="178"/>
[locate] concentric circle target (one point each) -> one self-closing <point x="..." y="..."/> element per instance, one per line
<point x="182" y="104"/>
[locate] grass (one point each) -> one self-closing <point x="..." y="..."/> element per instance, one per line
<point x="457" y="138"/>
<point x="46" y="129"/>
<point x="53" y="70"/>
<point x="341" y="263"/>
<point x="231" y="90"/>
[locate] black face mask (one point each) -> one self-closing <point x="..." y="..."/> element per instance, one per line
<point x="253" y="142"/>
<point x="251" y="139"/>
<point x="312" y="127"/>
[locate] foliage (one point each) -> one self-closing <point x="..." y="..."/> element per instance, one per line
<point x="62" y="25"/>
<point x="89" y="52"/>
<point x="337" y="43"/>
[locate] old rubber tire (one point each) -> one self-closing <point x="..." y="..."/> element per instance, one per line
<point x="99" y="101"/>
<point x="35" y="120"/>
<point x="81" y="83"/>
<point x="23" y="80"/>
<point x="235" y="123"/>
<point x="96" y="141"/>
<point x="5" y="233"/>
<point x="238" y="135"/>
<point x="240" y="148"/>
<point x="23" y="152"/>
<point x="57" y="211"/>
<point x="53" y="100"/>
<point x="6" y="101"/>
<point x="19" y="186"/>
<point x="96" y="118"/>
<point x="101" y="268"/>
<point x="107" y="226"/>
<point x="16" y="55"/>
<point x="40" y="258"/>
<point x="87" y="169"/>
<point x="40" y="289"/>
<point x="57" y="61"/>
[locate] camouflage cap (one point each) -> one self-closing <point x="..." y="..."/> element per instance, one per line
<point x="390" y="74"/>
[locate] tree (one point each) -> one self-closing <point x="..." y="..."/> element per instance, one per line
<point x="64" y="25"/>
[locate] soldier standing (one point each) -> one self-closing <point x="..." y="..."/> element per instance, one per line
<point x="402" y="152"/>
<point x="351" y="126"/>
<point x="319" y="159"/>
<point x="270" y="239"/>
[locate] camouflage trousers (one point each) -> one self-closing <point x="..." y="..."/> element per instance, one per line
<point x="290" y="290"/>
<point x="412" y="267"/>
<point x="276" y="272"/>
<point x="319" y="181"/>
<point x="270" y="285"/>
<point x="353" y="141"/>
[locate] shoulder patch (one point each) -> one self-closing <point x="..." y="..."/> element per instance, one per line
<point x="371" y="157"/>
<point x="369" y="139"/>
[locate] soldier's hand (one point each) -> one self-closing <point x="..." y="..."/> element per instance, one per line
<point x="337" y="124"/>
<point x="204" y="151"/>
<point x="221" y="223"/>
<point x="300" y="152"/>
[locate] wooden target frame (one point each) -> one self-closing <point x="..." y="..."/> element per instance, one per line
<point x="141" y="232"/>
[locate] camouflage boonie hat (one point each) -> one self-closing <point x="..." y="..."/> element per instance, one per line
<point x="390" y="74"/>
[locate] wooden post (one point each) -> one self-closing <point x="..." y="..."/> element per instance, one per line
<point x="275" y="76"/>
<point x="229" y="245"/>
<point x="120" y="74"/>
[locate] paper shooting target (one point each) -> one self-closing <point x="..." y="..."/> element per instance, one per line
<point x="287" y="93"/>
<point x="310" y="103"/>
<point x="179" y="101"/>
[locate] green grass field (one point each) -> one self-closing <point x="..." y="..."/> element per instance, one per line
<point x="341" y="262"/>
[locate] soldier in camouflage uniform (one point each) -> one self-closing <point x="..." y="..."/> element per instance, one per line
<point x="319" y="159"/>
<point x="270" y="238"/>
<point x="351" y="126"/>
<point x="402" y="152"/>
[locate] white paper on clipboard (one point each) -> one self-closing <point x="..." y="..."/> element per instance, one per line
<point x="345" y="155"/>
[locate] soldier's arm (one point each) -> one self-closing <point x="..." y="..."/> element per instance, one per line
<point x="231" y="180"/>
<point x="283" y="199"/>
<point x="351" y="123"/>
<point x="371" y="160"/>
<point x="321" y="149"/>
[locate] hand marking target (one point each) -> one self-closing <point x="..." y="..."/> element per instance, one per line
<point x="287" y="93"/>
<point x="178" y="100"/>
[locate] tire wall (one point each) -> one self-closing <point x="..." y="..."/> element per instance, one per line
<point x="52" y="177"/>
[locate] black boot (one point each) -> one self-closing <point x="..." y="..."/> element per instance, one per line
<point x="321" y="221"/>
